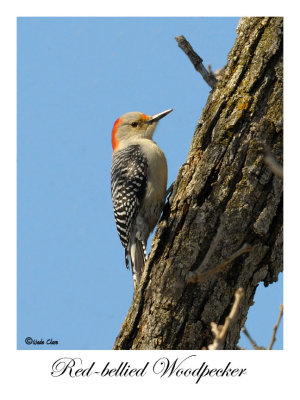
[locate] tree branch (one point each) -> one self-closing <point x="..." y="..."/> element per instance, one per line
<point x="198" y="276"/>
<point x="220" y="331"/>
<point x="275" y="328"/>
<point x="185" y="46"/>
<point x="255" y="346"/>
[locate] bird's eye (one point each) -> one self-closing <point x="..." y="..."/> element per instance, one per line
<point x="134" y="124"/>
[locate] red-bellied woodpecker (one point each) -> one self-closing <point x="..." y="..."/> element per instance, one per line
<point x="138" y="184"/>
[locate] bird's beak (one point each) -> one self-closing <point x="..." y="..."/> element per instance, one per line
<point x="158" y="116"/>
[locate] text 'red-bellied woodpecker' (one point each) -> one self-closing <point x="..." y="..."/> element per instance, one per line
<point x="138" y="184"/>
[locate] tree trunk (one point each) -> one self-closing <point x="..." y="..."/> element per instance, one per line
<point x="225" y="197"/>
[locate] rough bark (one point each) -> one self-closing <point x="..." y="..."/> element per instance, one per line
<point x="225" y="196"/>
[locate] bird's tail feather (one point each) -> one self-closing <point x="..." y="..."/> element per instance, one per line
<point x="138" y="258"/>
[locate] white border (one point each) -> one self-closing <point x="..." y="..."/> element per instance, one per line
<point x="27" y="373"/>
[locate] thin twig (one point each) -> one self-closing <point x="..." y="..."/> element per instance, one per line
<point x="254" y="344"/>
<point x="209" y="69"/>
<point x="273" y="164"/>
<point x="212" y="249"/>
<point x="220" y="331"/>
<point x="201" y="277"/>
<point x="196" y="61"/>
<point x="218" y="73"/>
<point x="275" y="328"/>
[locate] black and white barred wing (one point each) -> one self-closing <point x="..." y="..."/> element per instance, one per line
<point x="128" y="185"/>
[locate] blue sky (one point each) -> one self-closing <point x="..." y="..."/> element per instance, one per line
<point x="76" y="76"/>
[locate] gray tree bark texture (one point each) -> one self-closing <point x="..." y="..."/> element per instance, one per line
<point x="225" y="197"/>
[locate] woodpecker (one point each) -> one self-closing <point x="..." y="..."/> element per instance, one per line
<point x="138" y="184"/>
